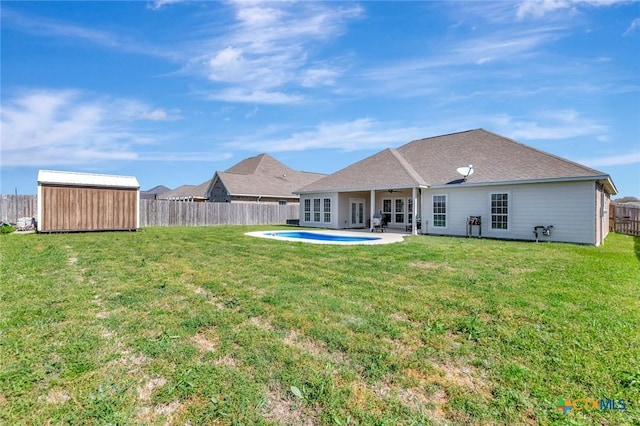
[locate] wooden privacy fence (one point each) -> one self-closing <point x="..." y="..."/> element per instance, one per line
<point x="174" y="213"/>
<point x="180" y="213"/>
<point x="13" y="207"/>
<point x="624" y="219"/>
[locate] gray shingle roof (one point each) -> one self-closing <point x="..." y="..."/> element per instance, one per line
<point x="433" y="162"/>
<point x="265" y="176"/>
<point x="187" y="191"/>
<point x="154" y="192"/>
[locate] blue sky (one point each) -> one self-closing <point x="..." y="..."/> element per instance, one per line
<point x="171" y="91"/>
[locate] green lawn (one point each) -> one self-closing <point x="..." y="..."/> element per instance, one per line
<point x="208" y="326"/>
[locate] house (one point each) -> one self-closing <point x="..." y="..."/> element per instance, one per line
<point x="153" y="193"/>
<point x="512" y="191"/>
<point x="193" y="193"/>
<point x="259" y="179"/>
<point x="72" y="201"/>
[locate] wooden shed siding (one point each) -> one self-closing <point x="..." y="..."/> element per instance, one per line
<point x="71" y="208"/>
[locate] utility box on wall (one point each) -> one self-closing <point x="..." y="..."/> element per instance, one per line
<point x="71" y="201"/>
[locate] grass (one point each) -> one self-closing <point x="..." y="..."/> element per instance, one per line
<point x="208" y="326"/>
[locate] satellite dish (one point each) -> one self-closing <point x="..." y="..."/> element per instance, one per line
<point x="465" y="171"/>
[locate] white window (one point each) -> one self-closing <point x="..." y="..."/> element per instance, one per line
<point x="399" y="216"/>
<point x="439" y="211"/>
<point x="500" y="211"/>
<point x="327" y="210"/>
<point x="307" y="210"/>
<point x="386" y="209"/>
<point x="316" y="209"/>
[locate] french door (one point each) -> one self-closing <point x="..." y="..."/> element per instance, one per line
<point x="356" y="212"/>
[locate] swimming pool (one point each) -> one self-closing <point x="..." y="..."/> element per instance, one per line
<point x="304" y="235"/>
<point x="327" y="237"/>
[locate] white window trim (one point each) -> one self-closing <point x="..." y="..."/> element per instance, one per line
<point x="390" y="212"/>
<point x="403" y="212"/>
<point x="446" y="213"/>
<point x="318" y="211"/>
<point x="305" y="211"/>
<point x="324" y="211"/>
<point x="509" y="212"/>
<point x="312" y="212"/>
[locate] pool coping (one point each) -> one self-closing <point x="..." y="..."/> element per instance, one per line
<point x="384" y="238"/>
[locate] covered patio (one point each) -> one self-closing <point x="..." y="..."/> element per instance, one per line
<point x="399" y="209"/>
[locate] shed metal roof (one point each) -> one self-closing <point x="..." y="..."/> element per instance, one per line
<point x="55" y="177"/>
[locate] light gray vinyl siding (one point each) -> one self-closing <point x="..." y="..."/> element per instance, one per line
<point x="568" y="206"/>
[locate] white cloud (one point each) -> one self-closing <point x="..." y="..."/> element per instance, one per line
<point x="239" y="94"/>
<point x="133" y="110"/>
<point x="633" y="27"/>
<point x="540" y="8"/>
<point x="452" y="68"/>
<point x="550" y="125"/>
<point x="363" y="133"/>
<point x="203" y="156"/>
<point x="614" y="160"/>
<point x="269" y="50"/>
<point x="314" y="77"/>
<point x="46" y="27"/>
<point x="159" y="4"/>
<point x="52" y="127"/>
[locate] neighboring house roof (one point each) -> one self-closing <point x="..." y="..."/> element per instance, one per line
<point x="159" y="189"/>
<point x="433" y="162"/>
<point x="154" y="192"/>
<point x="186" y="192"/>
<point x="629" y="204"/>
<point x="55" y="177"/>
<point x="263" y="176"/>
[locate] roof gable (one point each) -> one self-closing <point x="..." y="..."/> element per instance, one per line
<point x="384" y="170"/>
<point x="263" y="165"/>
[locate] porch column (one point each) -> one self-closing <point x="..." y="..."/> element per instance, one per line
<point x="372" y="209"/>
<point x="414" y="196"/>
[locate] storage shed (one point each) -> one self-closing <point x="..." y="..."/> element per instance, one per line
<point x="71" y="201"/>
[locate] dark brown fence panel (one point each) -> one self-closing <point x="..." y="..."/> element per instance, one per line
<point x="183" y="213"/>
<point x="624" y="219"/>
<point x="152" y="212"/>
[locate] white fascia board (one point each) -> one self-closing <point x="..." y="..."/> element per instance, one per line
<point x="521" y="182"/>
<point x="364" y="189"/>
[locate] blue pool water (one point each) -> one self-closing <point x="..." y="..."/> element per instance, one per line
<point x="320" y="237"/>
